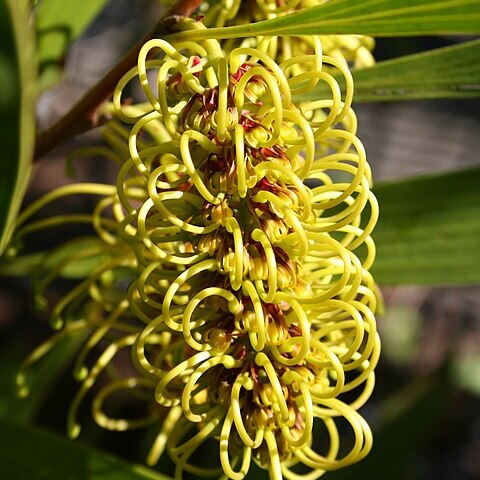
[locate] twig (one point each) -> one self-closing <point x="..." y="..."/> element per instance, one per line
<point x="83" y="115"/>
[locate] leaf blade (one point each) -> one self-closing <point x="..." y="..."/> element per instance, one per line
<point x="58" y="25"/>
<point x="382" y="18"/>
<point x="17" y="110"/>
<point x="449" y="72"/>
<point x="28" y="453"/>
<point x="428" y="230"/>
<point x="41" y="378"/>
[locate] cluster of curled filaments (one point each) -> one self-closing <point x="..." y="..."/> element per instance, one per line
<point x="243" y="211"/>
<point x="229" y="262"/>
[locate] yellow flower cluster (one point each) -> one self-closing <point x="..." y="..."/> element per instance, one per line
<point x="231" y="260"/>
<point x="246" y="240"/>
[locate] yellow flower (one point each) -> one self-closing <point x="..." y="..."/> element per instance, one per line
<point x="238" y="215"/>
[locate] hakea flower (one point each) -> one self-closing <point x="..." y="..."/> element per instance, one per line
<point x="235" y="221"/>
<point x="355" y="49"/>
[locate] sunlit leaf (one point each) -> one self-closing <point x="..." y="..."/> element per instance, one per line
<point x="58" y="24"/>
<point x="369" y="17"/>
<point x="17" y="114"/>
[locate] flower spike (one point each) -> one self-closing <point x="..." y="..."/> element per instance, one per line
<point x="232" y="268"/>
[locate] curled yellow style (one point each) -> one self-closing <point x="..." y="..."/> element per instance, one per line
<point x="230" y="263"/>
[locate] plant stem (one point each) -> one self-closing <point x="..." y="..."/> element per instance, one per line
<point x="84" y="115"/>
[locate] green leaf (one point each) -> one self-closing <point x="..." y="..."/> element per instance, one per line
<point x="17" y="113"/>
<point x="450" y="72"/>
<point x="383" y="18"/>
<point x="58" y="24"/>
<point x="404" y="422"/>
<point x="93" y="248"/>
<point x="32" y="454"/>
<point x="74" y="259"/>
<point x="41" y="377"/>
<point x="429" y="230"/>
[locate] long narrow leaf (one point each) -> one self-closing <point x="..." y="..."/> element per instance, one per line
<point x="58" y="24"/>
<point x="17" y="114"/>
<point x="429" y="230"/>
<point x="383" y="18"/>
<point x="36" y="264"/>
<point x="41" y="377"/>
<point x="450" y="72"/>
<point x="31" y="454"/>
